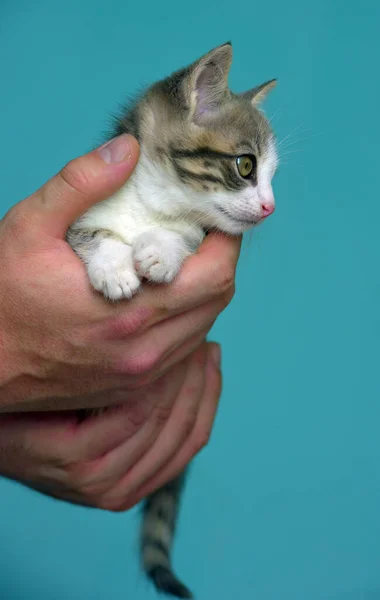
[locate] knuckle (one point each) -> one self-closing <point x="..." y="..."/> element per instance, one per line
<point x="75" y="177"/>
<point x="90" y="491"/>
<point x="62" y="458"/>
<point x="201" y="439"/>
<point x="138" y="384"/>
<point x="85" y="479"/>
<point x="191" y="415"/>
<point x="134" y="322"/>
<point x="224" y="277"/>
<point x="189" y="423"/>
<point x="141" y="364"/>
<point x="115" y="505"/>
<point x="110" y="506"/>
<point x="58" y="459"/>
<point x="229" y="295"/>
<point x="17" y="221"/>
<point x="192" y="391"/>
<point x="136" y="413"/>
<point x="161" y="415"/>
<point x="80" y="476"/>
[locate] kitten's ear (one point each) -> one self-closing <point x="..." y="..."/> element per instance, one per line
<point x="208" y="82"/>
<point x="257" y="95"/>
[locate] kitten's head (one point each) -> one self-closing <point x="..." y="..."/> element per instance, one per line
<point x="217" y="147"/>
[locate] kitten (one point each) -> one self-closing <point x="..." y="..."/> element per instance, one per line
<point x="207" y="160"/>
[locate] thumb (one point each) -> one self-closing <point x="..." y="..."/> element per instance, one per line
<point x="82" y="183"/>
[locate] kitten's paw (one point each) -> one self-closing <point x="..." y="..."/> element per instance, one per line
<point x="152" y="263"/>
<point x="115" y="283"/>
<point x="112" y="274"/>
<point x="158" y="258"/>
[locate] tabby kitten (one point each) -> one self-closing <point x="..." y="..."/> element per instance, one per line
<point x="207" y="160"/>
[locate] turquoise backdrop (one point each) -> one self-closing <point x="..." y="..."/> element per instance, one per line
<point x="285" y="502"/>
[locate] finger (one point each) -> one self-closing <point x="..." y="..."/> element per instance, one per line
<point x="183" y="351"/>
<point x="60" y="439"/>
<point x="117" y="425"/>
<point x="80" y="184"/>
<point x="59" y="491"/>
<point x="148" y="350"/>
<point x="115" y="464"/>
<point x="204" y="276"/>
<point x="129" y="430"/>
<point x="101" y="433"/>
<point x="34" y="437"/>
<point x="198" y="437"/>
<point x="181" y="421"/>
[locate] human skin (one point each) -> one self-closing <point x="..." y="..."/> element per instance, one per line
<point x="113" y="460"/>
<point x="63" y="347"/>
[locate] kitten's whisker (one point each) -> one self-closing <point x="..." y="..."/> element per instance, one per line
<point x="275" y="115"/>
<point x="289" y="138"/>
<point x="293" y="132"/>
<point x="291" y="142"/>
<point x="290" y="152"/>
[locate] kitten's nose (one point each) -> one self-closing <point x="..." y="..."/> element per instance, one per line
<point x="267" y="209"/>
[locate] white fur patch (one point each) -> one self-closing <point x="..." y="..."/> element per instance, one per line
<point x="111" y="271"/>
<point x="158" y="255"/>
<point x="161" y="221"/>
<point x="236" y="212"/>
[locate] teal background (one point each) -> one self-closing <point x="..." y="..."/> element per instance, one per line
<point x="284" y="503"/>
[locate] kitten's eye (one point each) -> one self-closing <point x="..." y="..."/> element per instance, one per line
<point x="245" y="165"/>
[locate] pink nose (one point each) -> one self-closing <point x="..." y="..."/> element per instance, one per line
<point x="267" y="209"/>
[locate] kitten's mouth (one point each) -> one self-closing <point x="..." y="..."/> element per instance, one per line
<point x="246" y="222"/>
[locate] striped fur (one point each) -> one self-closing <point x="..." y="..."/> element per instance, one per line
<point x="159" y="522"/>
<point x="192" y="129"/>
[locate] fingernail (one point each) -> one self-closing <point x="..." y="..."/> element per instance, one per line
<point x="216" y="354"/>
<point x="116" y="150"/>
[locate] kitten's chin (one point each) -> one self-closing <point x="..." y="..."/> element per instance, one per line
<point x="236" y="229"/>
<point x="233" y="226"/>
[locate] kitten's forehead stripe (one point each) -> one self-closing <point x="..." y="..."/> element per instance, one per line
<point x="201" y="153"/>
<point x="221" y="168"/>
<point x="185" y="174"/>
<point x="258" y="144"/>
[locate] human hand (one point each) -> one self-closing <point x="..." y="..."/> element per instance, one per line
<point x="62" y="346"/>
<point x="113" y="460"/>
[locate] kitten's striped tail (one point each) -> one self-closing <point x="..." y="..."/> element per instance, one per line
<point x="158" y="528"/>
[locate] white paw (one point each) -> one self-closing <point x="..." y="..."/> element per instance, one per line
<point x="111" y="272"/>
<point x="115" y="283"/>
<point x="158" y="258"/>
